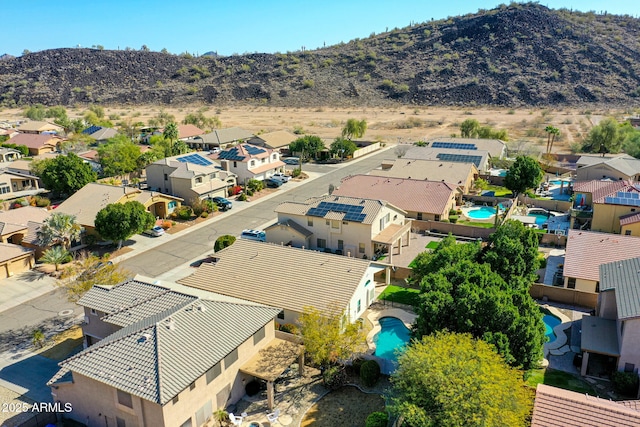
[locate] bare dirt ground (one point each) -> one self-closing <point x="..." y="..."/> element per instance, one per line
<point x="390" y="125"/>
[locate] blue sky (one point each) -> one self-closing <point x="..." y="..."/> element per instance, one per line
<point x="231" y="26"/>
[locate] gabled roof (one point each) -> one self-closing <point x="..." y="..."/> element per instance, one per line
<point x="18" y="219"/>
<point x="86" y="202"/>
<point x="226" y="136"/>
<point x="623" y="277"/>
<point x="598" y="188"/>
<point x="91" y="129"/>
<point x="407" y="194"/>
<point x="433" y="170"/>
<point x="242" y="153"/>
<point x="278" y="139"/>
<point x="280" y="276"/>
<point x="188" y="131"/>
<point x="611" y="198"/>
<point x="103" y="133"/>
<point x="495" y="147"/>
<point x="34" y="140"/>
<point x="587" y="250"/>
<point x="91" y="155"/>
<point x="293" y="225"/>
<point x="111" y="299"/>
<point x="158" y="357"/>
<point x="555" y="407"/>
<point x="333" y="207"/>
<point x="631" y="218"/>
<point x="38" y="126"/>
<point x="478" y="157"/>
<point x="623" y="163"/>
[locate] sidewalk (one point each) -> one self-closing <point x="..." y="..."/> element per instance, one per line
<point x="32" y="284"/>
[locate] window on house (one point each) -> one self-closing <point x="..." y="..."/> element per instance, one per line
<point x="273" y="156"/>
<point x="120" y="422"/>
<point x="281" y="315"/>
<point x="204" y="413"/>
<point x="175" y="399"/>
<point x="419" y="216"/>
<point x="199" y="180"/>
<point x="235" y="164"/>
<point x="310" y="222"/>
<point x="335" y="224"/>
<point x="124" y="399"/>
<point x="253" y="163"/>
<point x="627" y="232"/>
<point x="166" y="178"/>
<point x="361" y="248"/>
<point x="264" y="160"/>
<point x="359" y="306"/>
<point x="231" y="358"/>
<point x="322" y="243"/>
<point x="629" y="367"/>
<point x="259" y="336"/>
<point x="5" y="189"/>
<point x="571" y="283"/>
<point x="172" y="204"/>
<point x="597" y="287"/>
<point x="436" y="217"/>
<point x="213" y="373"/>
<point x="187" y="423"/>
<point x="341" y="244"/>
<point x="93" y="311"/>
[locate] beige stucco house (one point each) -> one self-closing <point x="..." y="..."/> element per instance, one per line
<point x="38" y="127"/>
<point x="172" y="360"/>
<point x="620" y="167"/>
<point x="20" y="226"/>
<point x="14" y="185"/>
<point x="36" y="143"/>
<point x="190" y="177"/>
<point x="351" y="226"/>
<point x="15" y="259"/>
<point x="249" y="161"/>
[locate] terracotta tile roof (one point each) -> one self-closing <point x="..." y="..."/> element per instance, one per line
<point x="625" y="186"/>
<point x="38" y="126"/>
<point x="596" y="187"/>
<point x="631" y="218"/>
<point x="189" y="131"/>
<point x="433" y="170"/>
<point x="19" y="219"/>
<point x="34" y="140"/>
<point x="407" y="194"/>
<point x="555" y="407"/>
<point x="89" y="155"/>
<point x="587" y="250"/>
<point x="280" y="276"/>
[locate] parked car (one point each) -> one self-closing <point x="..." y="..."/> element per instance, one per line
<point x="223" y="204"/>
<point x="257" y="235"/>
<point x="281" y="177"/>
<point x="273" y="183"/>
<point x="155" y="231"/>
<point x="292" y="161"/>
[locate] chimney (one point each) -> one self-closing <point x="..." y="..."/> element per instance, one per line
<point x="349" y="254"/>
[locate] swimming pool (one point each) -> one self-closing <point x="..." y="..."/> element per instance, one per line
<point x="484" y="212"/>
<point x="550" y="322"/>
<point x="393" y="336"/>
<point x="541" y="218"/>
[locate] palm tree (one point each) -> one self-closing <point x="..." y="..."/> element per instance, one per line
<point x="171" y="135"/>
<point x="59" y="229"/>
<point x="56" y="255"/>
<point x="552" y="133"/>
<point x="38" y="338"/>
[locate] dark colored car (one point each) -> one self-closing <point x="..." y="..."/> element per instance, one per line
<point x="223" y="204"/>
<point x="272" y="183"/>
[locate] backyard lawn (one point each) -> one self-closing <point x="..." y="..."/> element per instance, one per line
<point x="477" y="224"/>
<point x="432" y="245"/>
<point x="499" y="191"/>
<point x="401" y="295"/>
<point x="559" y="379"/>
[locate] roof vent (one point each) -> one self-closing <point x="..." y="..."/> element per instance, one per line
<point x="201" y="307"/>
<point x="144" y="338"/>
<point x="171" y="324"/>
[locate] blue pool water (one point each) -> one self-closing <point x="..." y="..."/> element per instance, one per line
<point x="485" y="212"/>
<point x="393" y="336"/>
<point x="550" y="322"/>
<point x="541" y="218"/>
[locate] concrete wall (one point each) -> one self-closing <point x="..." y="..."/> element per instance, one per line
<point x="552" y="205"/>
<point x="563" y="295"/>
<point x="455" y="229"/>
<point x="630" y="344"/>
<point x="582" y="284"/>
<point x="550" y="239"/>
<point x="366" y="150"/>
<point x="14" y="266"/>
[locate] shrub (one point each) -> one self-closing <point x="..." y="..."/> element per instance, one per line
<point x="334" y="377"/>
<point x="252" y="388"/>
<point x="453" y="212"/>
<point x="255" y="185"/>
<point x="356" y="365"/>
<point x="453" y="219"/>
<point x="377" y="419"/>
<point x="242" y="197"/>
<point x="296" y="172"/>
<point x="165" y="225"/>
<point x="204" y="214"/>
<point x="289" y="328"/>
<point x="184" y="212"/>
<point x="369" y="372"/>
<point x="625" y="383"/>
<point x="234" y="191"/>
<point x="307" y="84"/>
<point x="42" y="202"/>
<point x="223" y="241"/>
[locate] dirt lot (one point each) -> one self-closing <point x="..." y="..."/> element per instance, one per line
<point x="401" y="124"/>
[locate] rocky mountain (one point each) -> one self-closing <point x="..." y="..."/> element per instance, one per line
<point x="515" y="55"/>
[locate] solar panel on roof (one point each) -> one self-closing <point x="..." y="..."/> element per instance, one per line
<point x="628" y="201"/>
<point x="352" y="212"/>
<point x="460" y="158"/>
<point x="230" y="154"/>
<point x="196" y="159"/>
<point x="454" y="145"/>
<point x="253" y="150"/>
<point x="91" y="129"/>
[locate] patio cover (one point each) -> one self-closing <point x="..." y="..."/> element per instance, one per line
<point x="270" y="362"/>
<point x="392" y="233"/>
<point x="599" y="336"/>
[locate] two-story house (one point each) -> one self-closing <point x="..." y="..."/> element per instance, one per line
<point x="190" y="177"/>
<point x="36" y="143"/>
<point x="351" y="226"/>
<point x="249" y="162"/>
<point x="611" y="338"/>
<point x="15" y="184"/>
<point x="167" y="358"/>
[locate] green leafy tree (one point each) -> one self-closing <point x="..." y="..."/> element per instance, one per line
<point x="307" y="146"/>
<point x="119" y="221"/>
<point x="76" y="143"/>
<point x="631" y="142"/>
<point x="552" y="134"/>
<point x="200" y="120"/>
<point x="604" y="138"/>
<point x="64" y="175"/>
<point x="55" y="256"/>
<point x="327" y="335"/>
<point x="354" y="129"/>
<point x="170" y="135"/>
<point x="87" y="270"/>
<point x="525" y="173"/>
<point x="223" y="241"/>
<point x="59" y="229"/>
<point x="35" y="112"/>
<point x="342" y="147"/>
<point x="448" y="252"/>
<point x="513" y="251"/>
<point x="118" y="156"/>
<point x="469" y="128"/>
<point x="456" y="380"/>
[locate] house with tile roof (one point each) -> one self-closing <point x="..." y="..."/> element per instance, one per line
<point x="172" y="360"/>
<point x="14" y="185"/>
<point x="222" y="138"/>
<point x="352" y="226"/>
<point x="556" y="407"/>
<point x="249" y="161"/>
<point x="587" y="250"/>
<point x="39" y="127"/>
<point x="496" y="148"/>
<point x="19" y="226"/>
<point x="620" y="167"/>
<point x="479" y="158"/>
<point x="9" y="155"/>
<point x="190" y="176"/>
<point x="90" y="199"/>
<point x="189" y="132"/>
<point x="422" y="200"/>
<point x="585" y="192"/>
<point x="610" y="338"/>
<point x="615" y="211"/>
<point x="289" y="278"/>
<point x="462" y="175"/>
<point x="36" y="143"/>
<point x="15" y="259"/>
<point x="278" y="140"/>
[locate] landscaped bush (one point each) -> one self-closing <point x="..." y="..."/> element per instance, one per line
<point x="289" y="328"/>
<point x="255" y="185"/>
<point x="369" y="372"/>
<point x="453" y="219"/>
<point x="223" y="241"/>
<point x="234" y="191"/>
<point x="252" y="388"/>
<point x="377" y="419"/>
<point x="243" y="197"/>
<point x="204" y="214"/>
<point x="453" y="212"/>
<point x="41" y="202"/>
<point x="296" y="172"/>
<point x="356" y="364"/>
<point x="334" y="377"/>
<point x="183" y="212"/>
<point x="166" y="225"/>
<point x="625" y="383"/>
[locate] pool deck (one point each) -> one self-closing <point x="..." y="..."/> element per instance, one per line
<point x="559" y="346"/>
<point x="407" y="318"/>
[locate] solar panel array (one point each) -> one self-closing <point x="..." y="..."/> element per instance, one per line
<point x="454" y="145"/>
<point x="196" y="159"/>
<point x="352" y="212"/>
<point x="91" y="129"/>
<point x="460" y="158"/>
<point x="624" y="198"/>
<point x="231" y="154"/>
<point x="253" y="150"/>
